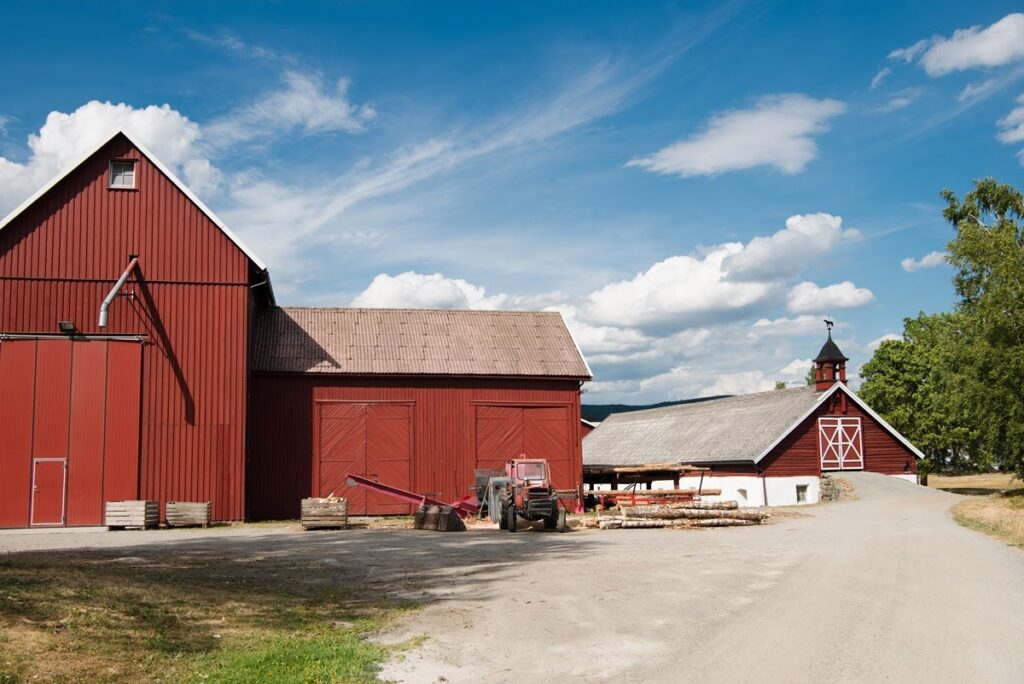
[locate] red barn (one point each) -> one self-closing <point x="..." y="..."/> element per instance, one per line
<point x="769" y="448"/>
<point x="142" y="355"/>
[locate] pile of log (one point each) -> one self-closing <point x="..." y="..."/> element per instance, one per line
<point x="324" y="513"/>
<point x="683" y="514"/>
<point x="188" y="514"/>
<point x="633" y="497"/>
<point x="138" y="515"/>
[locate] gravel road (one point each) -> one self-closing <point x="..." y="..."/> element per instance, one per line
<point x="883" y="588"/>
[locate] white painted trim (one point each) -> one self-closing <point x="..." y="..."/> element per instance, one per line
<point x="579" y="351"/>
<point x="589" y="422"/>
<point x="63" y="494"/>
<point x="909" y="477"/>
<point x="857" y="400"/>
<point x="164" y="170"/>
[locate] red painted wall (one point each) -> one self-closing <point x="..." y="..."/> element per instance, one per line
<point x="444" y="411"/>
<point x="59" y="259"/>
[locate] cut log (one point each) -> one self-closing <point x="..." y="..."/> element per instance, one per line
<point x="652" y="493"/>
<point x="676" y="513"/>
<point x="721" y="522"/>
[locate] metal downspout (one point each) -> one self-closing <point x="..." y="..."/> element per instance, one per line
<point x="113" y="292"/>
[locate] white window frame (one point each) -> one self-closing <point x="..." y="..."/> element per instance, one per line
<point x="110" y="174"/>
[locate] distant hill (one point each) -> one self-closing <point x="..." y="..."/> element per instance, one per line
<point x="595" y="413"/>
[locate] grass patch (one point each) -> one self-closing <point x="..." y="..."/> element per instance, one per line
<point x="987" y="483"/>
<point x="101" y="617"/>
<point x="998" y="515"/>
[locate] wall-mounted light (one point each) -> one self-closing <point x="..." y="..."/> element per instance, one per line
<point x="67" y="327"/>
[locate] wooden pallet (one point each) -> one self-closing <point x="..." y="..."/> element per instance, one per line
<point x="139" y="515"/>
<point x="324" y="513"/>
<point x="188" y="514"/>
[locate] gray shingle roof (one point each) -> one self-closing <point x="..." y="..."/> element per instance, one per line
<point x="720" y="430"/>
<point x="415" y="342"/>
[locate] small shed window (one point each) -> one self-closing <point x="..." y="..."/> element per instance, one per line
<point x="801" y="493"/>
<point x="122" y="174"/>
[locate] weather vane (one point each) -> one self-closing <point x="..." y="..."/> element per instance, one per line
<point x="829" y="324"/>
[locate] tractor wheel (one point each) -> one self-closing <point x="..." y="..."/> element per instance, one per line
<point x="563" y="521"/>
<point x="510" y="519"/>
<point x="502" y="520"/>
<point x="551" y="521"/>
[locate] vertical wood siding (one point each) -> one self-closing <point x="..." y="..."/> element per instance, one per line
<point x="281" y="430"/>
<point x="60" y="258"/>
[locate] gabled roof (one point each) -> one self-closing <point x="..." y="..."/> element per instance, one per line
<point x="164" y="170"/>
<point x="736" y="429"/>
<point x="416" y="342"/>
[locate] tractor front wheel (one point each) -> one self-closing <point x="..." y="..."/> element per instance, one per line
<point x="510" y="518"/>
<point x="563" y="521"/>
<point x="551" y="522"/>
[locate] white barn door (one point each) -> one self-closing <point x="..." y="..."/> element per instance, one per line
<point x="840" y="444"/>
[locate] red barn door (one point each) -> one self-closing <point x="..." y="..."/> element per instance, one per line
<point x="840" y="444"/>
<point x="370" y="440"/>
<point x="506" y="432"/>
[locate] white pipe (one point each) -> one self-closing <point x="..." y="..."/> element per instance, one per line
<point x="113" y="292"/>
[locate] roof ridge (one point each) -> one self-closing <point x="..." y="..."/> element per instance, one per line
<point x="418" y="310"/>
<point x="698" y="401"/>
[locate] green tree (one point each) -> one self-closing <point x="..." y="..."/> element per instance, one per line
<point x="812" y="375"/>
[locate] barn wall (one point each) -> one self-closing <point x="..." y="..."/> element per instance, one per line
<point x="444" y="416"/>
<point x="60" y="257"/>
<point x="798" y="453"/>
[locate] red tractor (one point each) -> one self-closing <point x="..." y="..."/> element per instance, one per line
<point x="521" y="490"/>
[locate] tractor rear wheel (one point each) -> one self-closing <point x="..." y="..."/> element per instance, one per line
<point x="563" y="521"/>
<point x="551" y="521"/>
<point x="510" y="518"/>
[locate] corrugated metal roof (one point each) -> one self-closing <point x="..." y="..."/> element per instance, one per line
<point x="415" y="342"/>
<point x="737" y="428"/>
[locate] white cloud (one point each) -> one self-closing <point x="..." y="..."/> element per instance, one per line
<point x="804" y="324"/>
<point x="877" y="342"/>
<point x="1012" y="124"/>
<point x="677" y="292"/>
<point x="305" y="103"/>
<point x="66" y="138"/>
<point x="806" y="297"/>
<point x="743" y="382"/>
<point x="411" y="290"/>
<point x="4" y="123"/>
<point x="784" y="254"/>
<point x="969" y="48"/>
<point x="975" y="90"/>
<point x="929" y="260"/>
<point x="882" y="74"/>
<point x="795" y="371"/>
<point x="778" y="131"/>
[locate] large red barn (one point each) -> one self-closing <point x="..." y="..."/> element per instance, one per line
<point x="142" y="355"/>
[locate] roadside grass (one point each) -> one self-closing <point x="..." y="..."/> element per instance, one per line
<point x="101" y="617"/>
<point x="997" y="515"/>
<point x="987" y="483"/>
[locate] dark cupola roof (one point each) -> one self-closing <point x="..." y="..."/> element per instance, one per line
<point x="830" y="352"/>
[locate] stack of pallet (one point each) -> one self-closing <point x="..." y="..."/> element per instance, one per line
<point x="683" y="514"/>
<point x="321" y="513"/>
<point x="139" y="515"/>
<point x="188" y="514"/>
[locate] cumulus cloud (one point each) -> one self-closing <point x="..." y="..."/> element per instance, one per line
<point x="882" y="74"/>
<point x="411" y="290"/>
<point x="788" y="251"/>
<point x="1012" y="124"/>
<point x="795" y="371"/>
<point x="806" y="297"/>
<point x="778" y="131"/>
<point x="305" y="103"/>
<point x="66" y="138"/>
<point x="929" y="260"/>
<point x="874" y="344"/>
<point x="676" y="292"/>
<point x="969" y="48"/>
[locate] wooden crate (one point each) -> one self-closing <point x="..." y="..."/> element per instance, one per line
<point x="188" y="514"/>
<point x="141" y="515"/>
<point x="324" y="513"/>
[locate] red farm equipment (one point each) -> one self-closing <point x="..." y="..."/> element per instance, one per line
<point x="522" y="489"/>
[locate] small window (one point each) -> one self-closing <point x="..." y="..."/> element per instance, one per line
<point x="801" y="493"/>
<point x="122" y="174"/>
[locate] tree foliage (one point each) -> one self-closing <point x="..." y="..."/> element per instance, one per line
<point x="955" y="384"/>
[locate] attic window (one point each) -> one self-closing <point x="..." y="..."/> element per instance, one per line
<point x="122" y="174"/>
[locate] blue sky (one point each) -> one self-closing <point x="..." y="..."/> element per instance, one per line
<point x="693" y="186"/>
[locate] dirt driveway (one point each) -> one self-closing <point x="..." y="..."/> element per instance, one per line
<point x="884" y="588"/>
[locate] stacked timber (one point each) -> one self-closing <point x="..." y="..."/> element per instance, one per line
<point x="324" y="513"/>
<point x="438" y="518"/>
<point x="683" y="514"/>
<point x="137" y="515"/>
<point x="188" y="514"/>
